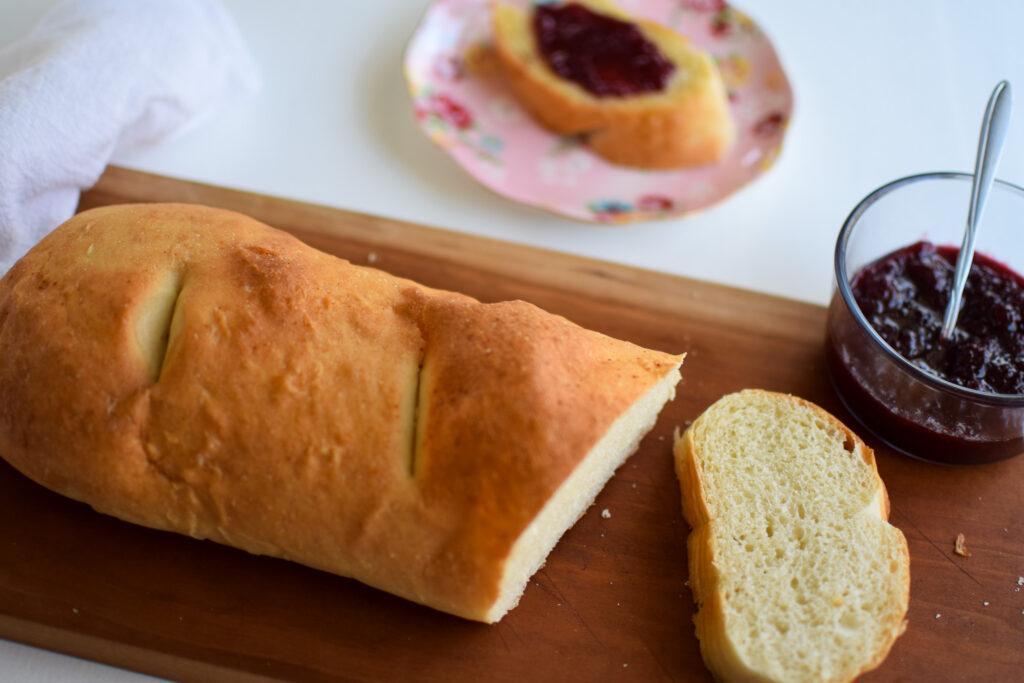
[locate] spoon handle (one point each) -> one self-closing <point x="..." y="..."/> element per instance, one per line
<point x="990" y="146"/>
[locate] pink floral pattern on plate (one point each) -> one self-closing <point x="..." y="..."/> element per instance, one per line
<point x="462" y="104"/>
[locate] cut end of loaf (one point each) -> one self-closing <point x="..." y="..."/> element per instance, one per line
<point x="795" y="571"/>
<point x="578" y="492"/>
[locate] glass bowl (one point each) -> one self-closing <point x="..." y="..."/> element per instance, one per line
<point x="913" y="411"/>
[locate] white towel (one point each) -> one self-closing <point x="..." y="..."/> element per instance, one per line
<point x="96" y="78"/>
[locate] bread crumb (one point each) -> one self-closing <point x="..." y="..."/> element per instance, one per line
<point x="937" y="615"/>
<point x="958" y="546"/>
<point x="75" y="610"/>
<point x="1020" y="580"/>
<point x="606" y="514"/>
<point x="372" y="257"/>
<point x="985" y="603"/>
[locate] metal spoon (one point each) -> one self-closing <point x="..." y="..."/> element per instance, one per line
<point x="990" y="147"/>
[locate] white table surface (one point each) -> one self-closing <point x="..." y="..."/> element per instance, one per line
<point x="882" y="89"/>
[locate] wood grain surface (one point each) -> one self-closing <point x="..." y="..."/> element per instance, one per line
<point x="612" y="601"/>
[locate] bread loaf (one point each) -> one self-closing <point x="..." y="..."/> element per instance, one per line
<point x="796" y="573"/>
<point x="191" y="369"/>
<point x="688" y="123"/>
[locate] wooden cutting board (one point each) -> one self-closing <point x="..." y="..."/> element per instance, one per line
<point x="612" y="601"/>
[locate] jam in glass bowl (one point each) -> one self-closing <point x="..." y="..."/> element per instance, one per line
<point x="958" y="401"/>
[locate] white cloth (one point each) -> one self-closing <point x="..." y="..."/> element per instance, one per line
<point x="96" y="78"/>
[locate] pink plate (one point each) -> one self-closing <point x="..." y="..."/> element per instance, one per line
<point x="463" y="106"/>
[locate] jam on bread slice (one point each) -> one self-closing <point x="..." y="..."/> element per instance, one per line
<point x="639" y="92"/>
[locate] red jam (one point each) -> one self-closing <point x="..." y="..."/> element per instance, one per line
<point x="605" y="56"/>
<point x="921" y="423"/>
<point x="904" y="295"/>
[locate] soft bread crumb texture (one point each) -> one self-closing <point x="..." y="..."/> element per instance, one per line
<point x="686" y="124"/>
<point x="191" y="369"/>
<point x="578" y="492"/>
<point x="796" y="573"/>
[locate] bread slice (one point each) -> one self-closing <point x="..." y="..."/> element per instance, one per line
<point x="686" y="124"/>
<point x="796" y="573"/>
<point x="193" y="370"/>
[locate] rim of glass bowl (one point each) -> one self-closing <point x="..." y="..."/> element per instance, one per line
<point x="843" y="284"/>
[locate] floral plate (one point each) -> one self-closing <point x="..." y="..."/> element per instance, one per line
<point x="463" y="106"/>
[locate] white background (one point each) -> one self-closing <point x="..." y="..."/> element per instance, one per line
<point x="883" y="89"/>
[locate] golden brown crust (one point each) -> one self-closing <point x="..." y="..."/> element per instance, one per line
<point x="280" y="417"/>
<point x="688" y="124"/>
